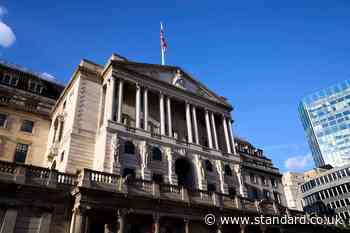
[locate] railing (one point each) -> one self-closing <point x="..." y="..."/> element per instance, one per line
<point x="89" y="179"/>
<point x="267" y="207"/>
<point x="248" y="204"/>
<point x="66" y="179"/>
<point x="142" y="187"/>
<point x="33" y="175"/>
<point x="201" y="196"/>
<point x="7" y="168"/>
<point x="130" y="129"/>
<point x="156" y="135"/>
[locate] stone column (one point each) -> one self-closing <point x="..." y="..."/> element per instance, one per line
<point x="195" y="125"/>
<point x="138" y="106"/>
<point x="170" y="126"/>
<point x="120" y="100"/>
<point x="145" y="108"/>
<point x="161" y="111"/>
<point x="187" y="225"/>
<point x="227" y="139"/>
<point x="156" y="223"/>
<point x="121" y="220"/>
<point x="210" y="142"/>
<point x="109" y="105"/>
<point x="231" y="135"/>
<point x="79" y="222"/>
<point x="9" y="221"/>
<point x="189" y="124"/>
<point x="214" y="131"/>
<point x="45" y="222"/>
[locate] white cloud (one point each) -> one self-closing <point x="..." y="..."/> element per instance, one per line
<point x="7" y="37"/>
<point x="298" y="162"/>
<point x="48" y="76"/>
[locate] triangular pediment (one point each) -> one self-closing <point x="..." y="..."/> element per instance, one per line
<point x="177" y="77"/>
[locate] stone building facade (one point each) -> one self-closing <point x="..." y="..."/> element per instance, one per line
<point x="26" y="100"/>
<point x="291" y="182"/>
<point x="138" y="148"/>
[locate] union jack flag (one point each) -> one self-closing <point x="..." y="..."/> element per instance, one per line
<point x="163" y="44"/>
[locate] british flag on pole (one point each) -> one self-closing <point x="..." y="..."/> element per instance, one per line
<point x="163" y="44"/>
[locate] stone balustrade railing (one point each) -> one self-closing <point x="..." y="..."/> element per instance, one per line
<point x="90" y="179"/>
<point x="33" y="175"/>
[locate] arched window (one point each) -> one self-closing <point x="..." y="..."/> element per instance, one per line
<point x="156" y="154"/>
<point x="129" y="172"/>
<point x="228" y="171"/>
<point x="208" y="166"/>
<point x="129" y="147"/>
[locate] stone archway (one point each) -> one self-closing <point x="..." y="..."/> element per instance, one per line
<point x="184" y="170"/>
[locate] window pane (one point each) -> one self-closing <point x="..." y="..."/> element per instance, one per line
<point x="3" y="118"/>
<point x="27" y="126"/>
<point x="21" y="153"/>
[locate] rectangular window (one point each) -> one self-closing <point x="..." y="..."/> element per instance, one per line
<point x="211" y="188"/>
<point x="27" y="126"/>
<point x="3" y="120"/>
<point x="14" y="81"/>
<point x="21" y="153"/>
<point x="6" y="79"/>
<point x="62" y="156"/>
<point x="274" y="183"/>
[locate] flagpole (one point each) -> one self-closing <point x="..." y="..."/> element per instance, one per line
<point x="161" y="45"/>
<point x="163" y="62"/>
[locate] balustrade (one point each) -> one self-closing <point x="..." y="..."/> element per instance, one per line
<point x="31" y="175"/>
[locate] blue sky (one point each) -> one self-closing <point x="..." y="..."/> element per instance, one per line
<point x="262" y="55"/>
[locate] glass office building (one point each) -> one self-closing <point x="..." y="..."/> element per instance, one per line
<point x="325" y="116"/>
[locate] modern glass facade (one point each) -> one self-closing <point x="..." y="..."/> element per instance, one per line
<point x="325" y="116"/>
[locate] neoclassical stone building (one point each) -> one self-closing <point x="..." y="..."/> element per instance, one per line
<point x="137" y="148"/>
<point x="151" y="122"/>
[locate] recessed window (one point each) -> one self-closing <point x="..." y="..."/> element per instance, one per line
<point x="3" y="120"/>
<point x="274" y="183"/>
<point x="129" y="172"/>
<point x="62" y="156"/>
<point x="6" y="79"/>
<point x="228" y="171"/>
<point x="208" y="166"/>
<point x="129" y="147"/>
<point x="267" y="195"/>
<point x="27" y="126"/>
<point x="211" y="188"/>
<point x="21" y="153"/>
<point x="14" y="81"/>
<point x="157" y="178"/>
<point x="156" y="154"/>
<point x="253" y="178"/>
<point x="231" y="191"/>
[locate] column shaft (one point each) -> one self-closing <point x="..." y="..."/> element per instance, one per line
<point x="231" y="135"/>
<point x="227" y="140"/>
<point x="120" y="100"/>
<point x="161" y="110"/>
<point x="214" y="131"/>
<point x="210" y="142"/>
<point x="170" y="127"/>
<point x="111" y="98"/>
<point x="145" y="109"/>
<point x="138" y="106"/>
<point x="189" y="124"/>
<point x="195" y="124"/>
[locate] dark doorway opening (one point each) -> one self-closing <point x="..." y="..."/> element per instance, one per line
<point x="184" y="172"/>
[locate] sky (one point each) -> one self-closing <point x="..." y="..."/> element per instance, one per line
<point x="264" y="56"/>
